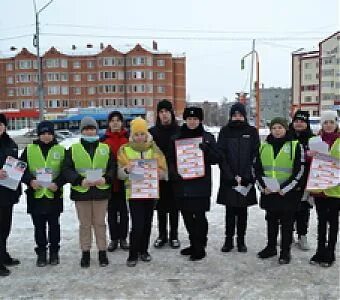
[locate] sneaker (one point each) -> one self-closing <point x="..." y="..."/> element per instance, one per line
<point x="145" y="257"/>
<point x="267" y="253"/>
<point x="284" y="258"/>
<point x="103" y="261"/>
<point x="186" y="251"/>
<point x="302" y="243"/>
<point x="159" y="242"/>
<point x="175" y="244"/>
<point x="85" y="259"/>
<point x="124" y="244"/>
<point x="10" y="261"/>
<point x="131" y="261"/>
<point x="54" y="258"/>
<point x="4" y="271"/>
<point x="112" y="246"/>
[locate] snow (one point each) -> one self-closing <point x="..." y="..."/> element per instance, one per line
<point x="169" y="276"/>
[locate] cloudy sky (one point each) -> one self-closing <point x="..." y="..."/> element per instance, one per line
<point x="214" y="34"/>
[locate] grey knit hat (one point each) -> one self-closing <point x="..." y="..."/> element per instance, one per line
<point x="88" y="122"/>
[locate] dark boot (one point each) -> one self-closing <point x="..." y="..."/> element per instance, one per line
<point x="102" y="257"/>
<point x="284" y="258"/>
<point x="228" y="244"/>
<point x="4" y="271"/>
<point x="10" y="261"/>
<point x="132" y="261"/>
<point x="267" y="252"/>
<point x="54" y="258"/>
<point x="124" y="244"/>
<point x="175" y="243"/>
<point x="41" y="257"/>
<point x="146" y="257"/>
<point x="198" y="254"/>
<point x="85" y="259"/>
<point x="112" y="246"/>
<point x="160" y="242"/>
<point x="241" y="246"/>
<point x="187" y="251"/>
<point x="329" y="257"/>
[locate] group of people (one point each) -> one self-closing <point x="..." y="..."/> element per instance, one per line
<point x="243" y="160"/>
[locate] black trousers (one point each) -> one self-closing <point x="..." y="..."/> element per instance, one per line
<point x="301" y="218"/>
<point x="285" y="219"/>
<point x="163" y="217"/>
<point x="196" y="224"/>
<point x="141" y="212"/>
<point x="236" y="217"/>
<point x="6" y="213"/>
<point x="117" y="217"/>
<point x="46" y="236"/>
<point x="327" y="210"/>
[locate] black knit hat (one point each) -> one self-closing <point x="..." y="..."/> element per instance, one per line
<point x="301" y="115"/>
<point x="279" y="120"/>
<point x="45" y="126"/>
<point x="193" y="111"/>
<point x="238" y="108"/>
<point x="115" y="113"/>
<point x="164" y="104"/>
<point x="3" y="119"/>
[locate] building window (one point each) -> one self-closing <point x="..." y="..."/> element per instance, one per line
<point x="63" y="63"/>
<point x="138" y="74"/>
<point x="108" y="61"/>
<point x="9" y="67"/>
<point x="64" y="90"/>
<point x="76" y="77"/>
<point x="327" y="61"/>
<point x="65" y="103"/>
<point x="63" y="76"/>
<point x="10" y="80"/>
<point x="328" y="72"/>
<point x="308" y="76"/>
<point x="77" y="90"/>
<point x="308" y="65"/>
<point x="91" y="90"/>
<point x="148" y="102"/>
<point x="25" y="64"/>
<point x="52" y="63"/>
<point x="53" y="103"/>
<point x="108" y="75"/>
<point x="160" y="62"/>
<point x="76" y="64"/>
<point x="91" y="77"/>
<point x="91" y="64"/>
<point x="53" y="90"/>
<point x="10" y="92"/>
<point x="160" y="89"/>
<point x="53" y="77"/>
<point x="138" y="61"/>
<point x="160" y="75"/>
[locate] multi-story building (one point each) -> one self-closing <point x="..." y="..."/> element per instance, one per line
<point x="316" y="77"/>
<point x="106" y="77"/>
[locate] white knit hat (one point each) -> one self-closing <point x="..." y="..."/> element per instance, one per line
<point x="328" y="115"/>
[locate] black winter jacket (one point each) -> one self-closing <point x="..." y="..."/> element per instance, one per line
<point x="290" y="200"/>
<point x="162" y="137"/>
<point x="238" y="144"/>
<point x="43" y="205"/>
<point x="194" y="194"/>
<point x="72" y="176"/>
<point x="8" y="147"/>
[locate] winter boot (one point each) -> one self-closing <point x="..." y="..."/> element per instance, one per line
<point x="198" y="254"/>
<point x="42" y="257"/>
<point x="228" y="244"/>
<point x="132" y="260"/>
<point x="160" y="242"/>
<point x="112" y="246"/>
<point x="267" y="252"/>
<point x="146" y="257"/>
<point x="329" y="257"/>
<point x="187" y="251"/>
<point x="54" y="258"/>
<point x="4" y="271"/>
<point x="10" y="261"/>
<point x="284" y="258"/>
<point x="124" y="244"/>
<point x="103" y="261"/>
<point x="302" y="243"/>
<point x="85" y="259"/>
<point x="241" y="246"/>
<point x="317" y="258"/>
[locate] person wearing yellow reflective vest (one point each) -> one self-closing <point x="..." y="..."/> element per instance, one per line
<point x="282" y="160"/>
<point x="140" y="146"/>
<point x="44" y="158"/>
<point x="90" y="167"/>
<point x="327" y="203"/>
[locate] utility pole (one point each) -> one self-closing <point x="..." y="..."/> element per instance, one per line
<point x="36" y="43"/>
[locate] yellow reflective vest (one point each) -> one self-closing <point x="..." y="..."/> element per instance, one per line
<point x="53" y="161"/>
<point x="83" y="162"/>
<point x="335" y="152"/>
<point x="281" y="167"/>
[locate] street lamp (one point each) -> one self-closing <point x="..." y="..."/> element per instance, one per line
<point x="37" y="45"/>
<point x="257" y="82"/>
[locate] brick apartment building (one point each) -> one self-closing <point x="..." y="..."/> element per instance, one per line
<point x="106" y="77"/>
<point x="316" y="77"/>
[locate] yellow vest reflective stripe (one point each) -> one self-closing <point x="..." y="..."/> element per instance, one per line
<point x="282" y="166"/>
<point x="335" y="152"/>
<point x="53" y="161"/>
<point x="133" y="154"/>
<point x="83" y="162"/>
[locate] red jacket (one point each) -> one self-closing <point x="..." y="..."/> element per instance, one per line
<point x="115" y="140"/>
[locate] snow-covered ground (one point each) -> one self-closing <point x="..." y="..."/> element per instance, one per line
<point x="169" y="276"/>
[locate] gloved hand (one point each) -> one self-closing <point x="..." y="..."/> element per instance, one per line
<point x="204" y="146"/>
